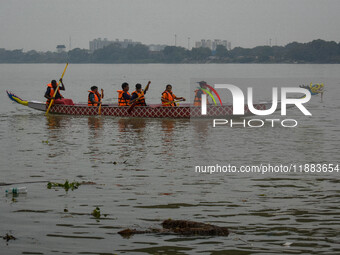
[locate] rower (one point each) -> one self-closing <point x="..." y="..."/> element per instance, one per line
<point x="124" y="95"/>
<point x="138" y="96"/>
<point x="199" y="92"/>
<point x="168" y="97"/>
<point x="58" y="99"/>
<point x="94" y="98"/>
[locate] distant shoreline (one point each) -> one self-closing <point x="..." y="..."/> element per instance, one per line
<point x="315" y="52"/>
<point x="150" y="63"/>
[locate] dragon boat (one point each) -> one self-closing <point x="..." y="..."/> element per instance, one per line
<point x="150" y="111"/>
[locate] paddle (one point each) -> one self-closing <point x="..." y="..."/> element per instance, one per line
<point x="100" y="109"/>
<point x="100" y="105"/>
<point x="177" y="101"/>
<point x="136" y="100"/>
<point x="55" y="93"/>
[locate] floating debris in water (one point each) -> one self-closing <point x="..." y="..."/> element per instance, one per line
<point x="87" y="183"/>
<point x="96" y="213"/>
<point x="287" y="244"/>
<point x="129" y="232"/>
<point x="8" y="237"/>
<point x="194" y="228"/>
<point x="165" y="194"/>
<point x="181" y="227"/>
<point x="16" y="183"/>
<point x="68" y="185"/>
<point x="16" y="191"/>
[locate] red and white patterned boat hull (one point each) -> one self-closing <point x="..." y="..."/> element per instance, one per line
<point x="151" y="111"/>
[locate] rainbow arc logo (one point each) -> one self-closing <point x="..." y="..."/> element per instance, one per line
<point x="211" y="95"/>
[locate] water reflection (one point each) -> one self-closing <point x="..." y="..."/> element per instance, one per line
<point x="95" y="140"/>
<point x="201" y="128"/>
<point x="95" y="125"/>
<point x="168" y="126"/>
<point x="55" y="121"/>
<point x="168" y="145"/>
<point x="131" y="136"/>
<point x="56" y="141"/>
<point x="127" y="125"/>
<point x="312" y="144"/>
<point x="55" y="127"/>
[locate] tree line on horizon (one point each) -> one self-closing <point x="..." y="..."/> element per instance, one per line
<point x="317" y="51"/>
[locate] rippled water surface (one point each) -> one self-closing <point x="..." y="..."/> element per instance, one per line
<point x="140" y="172"/>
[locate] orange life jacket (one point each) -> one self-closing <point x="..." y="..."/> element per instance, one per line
<point x="198" y="100"/>
<point x="97" y="98"/>
<point x="52" y="93"/>
<point x="141" y="99"/>
<point x="168" y="96"/>
<point x="121" y="100"/>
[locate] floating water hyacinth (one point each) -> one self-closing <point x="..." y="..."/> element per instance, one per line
<point x="96" y="213"/>
<point x="67" y="185"/>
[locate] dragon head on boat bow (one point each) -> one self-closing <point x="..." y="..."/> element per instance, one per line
<point x="16" y="98"/>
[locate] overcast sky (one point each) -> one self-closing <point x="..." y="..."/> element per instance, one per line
<point x="42" y="24"/>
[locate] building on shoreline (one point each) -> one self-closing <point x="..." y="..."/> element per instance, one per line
<point x="60" y="48"/>
<point x="156" y="47"/>
<point x="212" y="44"/>
<point x="99" y="43"/>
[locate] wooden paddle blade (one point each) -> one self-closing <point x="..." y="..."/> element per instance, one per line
<point x="49" y="107"/>
<point x="100" y="109"/>
<point x="131" y="107"/>
<point x="147" y="86"/>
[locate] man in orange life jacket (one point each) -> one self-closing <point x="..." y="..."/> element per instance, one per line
<point x="199" y="92"/>
<point x="138" y="96"/>
<point x="58" y="99"/>
<point x="94" y="98"/>
<point x="124" y="96"/>
<point x="168" y="97"/>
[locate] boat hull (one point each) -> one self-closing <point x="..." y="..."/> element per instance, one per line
<point x="152" y="111"/>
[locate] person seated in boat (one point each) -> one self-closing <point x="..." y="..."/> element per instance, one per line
<point x="124" y="96"/>
<point x="95" y="98"/>
<point x="168" y="98"/>
<point x="138" y="96"/>
<point x="58" y="98"/>
<point x="199" y="93"/>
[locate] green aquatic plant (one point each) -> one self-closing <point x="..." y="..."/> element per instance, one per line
<point x="67" y="185"/>
<point x="9" y="237"/>
<point x="96" y="213"/>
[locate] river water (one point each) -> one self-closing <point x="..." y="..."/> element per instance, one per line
<point x="142" y="171"/>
